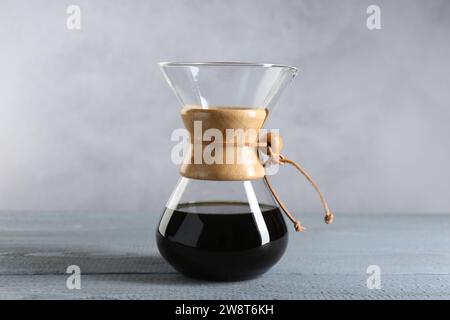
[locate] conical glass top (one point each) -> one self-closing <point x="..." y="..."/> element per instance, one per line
<point x="227" y="84"/>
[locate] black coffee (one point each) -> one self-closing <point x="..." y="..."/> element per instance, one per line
<point x="221" y="241"/>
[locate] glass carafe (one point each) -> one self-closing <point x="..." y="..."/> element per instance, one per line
<point x="222" y="221"/>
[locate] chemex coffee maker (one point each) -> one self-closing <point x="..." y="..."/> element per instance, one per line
<point x="224" y="220"/>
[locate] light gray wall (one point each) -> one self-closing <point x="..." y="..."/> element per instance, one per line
<point x="86" y="117"/>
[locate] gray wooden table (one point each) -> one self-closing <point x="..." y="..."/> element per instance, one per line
<point x="119" y="259"/>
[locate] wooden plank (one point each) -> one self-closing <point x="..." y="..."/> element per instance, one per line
<point x="270" y="286"/>
<point x="119" y="259"/>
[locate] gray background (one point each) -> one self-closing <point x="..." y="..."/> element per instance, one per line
<point x="86" y="117"/>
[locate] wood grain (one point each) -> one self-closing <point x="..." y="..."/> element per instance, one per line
<point x="245" y="164"/>
<point x="118" y="258"/>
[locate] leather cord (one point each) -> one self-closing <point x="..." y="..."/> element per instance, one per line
<point x="280" y="159"/>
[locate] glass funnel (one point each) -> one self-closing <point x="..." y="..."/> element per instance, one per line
<point x="221" y="222"/>
<point x="225" y="84"/>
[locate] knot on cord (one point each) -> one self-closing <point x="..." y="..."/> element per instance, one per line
<point x="329" y="217"/>
<point x="299" y="227"/>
